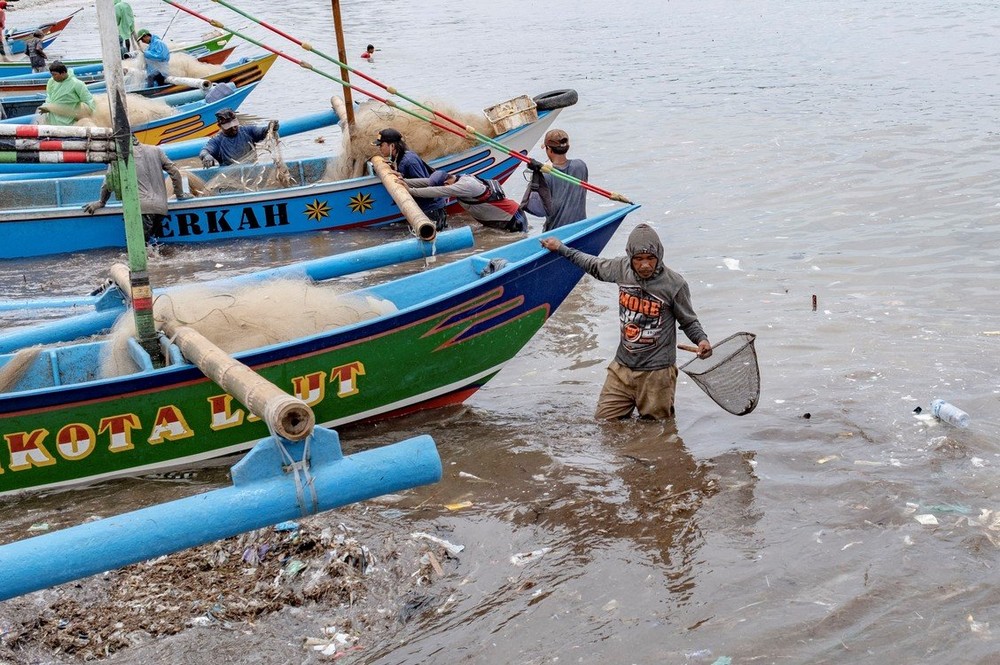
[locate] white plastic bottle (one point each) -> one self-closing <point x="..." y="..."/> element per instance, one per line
<point x="949" y="413"/>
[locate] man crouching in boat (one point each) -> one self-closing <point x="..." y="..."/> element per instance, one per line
<point x="652" y="301"/>
<point x="234" y="143"/>
<point x="483" y="199"/>
<point x="67" y="98"/>
<point x="150" y="164"/>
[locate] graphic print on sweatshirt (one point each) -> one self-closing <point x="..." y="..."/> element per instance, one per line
<point x="641" y="320"/>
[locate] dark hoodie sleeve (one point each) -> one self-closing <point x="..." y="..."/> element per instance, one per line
<point x="606" y="270"/>
<point x="687" y="320"/>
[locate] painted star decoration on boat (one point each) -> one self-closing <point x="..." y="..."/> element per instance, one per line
<point x="361" y="203"/>
<point x="317" y="210"/>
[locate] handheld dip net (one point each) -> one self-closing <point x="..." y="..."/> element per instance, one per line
<point x="730" y="376"/>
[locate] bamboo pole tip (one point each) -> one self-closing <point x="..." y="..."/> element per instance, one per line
<point x="290" y="417"/>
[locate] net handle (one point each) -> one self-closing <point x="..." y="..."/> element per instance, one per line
<point x="694" y="349"/>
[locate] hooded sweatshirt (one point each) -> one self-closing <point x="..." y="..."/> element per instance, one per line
<point x="649" y="310"/>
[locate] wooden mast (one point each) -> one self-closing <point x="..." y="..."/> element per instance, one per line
<point x="342" y="56"/>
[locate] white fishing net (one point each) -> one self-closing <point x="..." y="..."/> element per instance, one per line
<point x="422" y="137"/>
<point x="248" y="316"/>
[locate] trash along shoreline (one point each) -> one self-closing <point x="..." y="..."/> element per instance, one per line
<point x="345" y="584"/>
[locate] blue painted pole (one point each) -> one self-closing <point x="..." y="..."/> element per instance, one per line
<point x="263" y="493"/>
<point x="63" y="330"/>
<point x="329" y="267"/>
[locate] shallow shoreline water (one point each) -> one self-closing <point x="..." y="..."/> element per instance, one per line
<point x="842" y="150"/>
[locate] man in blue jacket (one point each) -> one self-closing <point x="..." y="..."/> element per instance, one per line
<point x="234" y="143"/>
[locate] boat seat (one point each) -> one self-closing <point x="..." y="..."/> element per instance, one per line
<point x="139" y="355"/>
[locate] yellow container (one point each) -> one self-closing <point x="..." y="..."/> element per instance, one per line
<point x="512" y="113"/>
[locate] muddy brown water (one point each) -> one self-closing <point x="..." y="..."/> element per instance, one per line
<point x="844" y="150"/>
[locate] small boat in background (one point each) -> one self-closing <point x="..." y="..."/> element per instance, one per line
<point x="192" y="120"/>
<point x="208" y="45"/>
<point x="18" y="37"/>
<point x="241" y="73"/>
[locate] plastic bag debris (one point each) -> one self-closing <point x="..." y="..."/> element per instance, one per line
<point x="523" y="558"/>
<point x="332" y="642"/>
<point x="286" y="526"/>
<point x="293" y="568"/>
<point x="41" y="526"/>
<point x="926" y="519"/>
<point x="981" y="627"/>
<point x="451" y="548"/>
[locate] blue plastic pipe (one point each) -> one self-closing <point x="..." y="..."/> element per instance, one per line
<point x="263" y="493"/>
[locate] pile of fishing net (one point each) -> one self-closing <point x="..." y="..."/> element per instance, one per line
<point x="247" y="316"/>
<point x="422" y="137"/>
<point x="141" y="110"/>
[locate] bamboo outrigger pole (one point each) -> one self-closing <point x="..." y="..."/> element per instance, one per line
<point x="421" y="225"/>
<point x="124" y="170"/>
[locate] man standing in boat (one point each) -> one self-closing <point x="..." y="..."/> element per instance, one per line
<point x="234" y="143"/>
<point x="409" y="165"/>
<point x="150" y="165"/>
<point x="125" y="18"/>
<point x="67" y="98"/>
<point x="569" y="200"/>
<point x="35" y="51"/>
<point x="4" y="46"/>
<point x="653" y="301"/>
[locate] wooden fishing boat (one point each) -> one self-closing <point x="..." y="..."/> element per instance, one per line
<point x="175" y="151"/>
<point x="453" y="328"/>
<point x="92" y="75"/>
<point x="18" y="37"/>
<point x="213" y="43"/>
<point x="241" y="73"/>
<point x="192" y="120"/>
<point x="309" y="206"/>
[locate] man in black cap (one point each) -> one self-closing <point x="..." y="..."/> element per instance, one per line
<point x="235" y="142"/>
<point x="569" y="200"/>
<point x="408" y="164"/>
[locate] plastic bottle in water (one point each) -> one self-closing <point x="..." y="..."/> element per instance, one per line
<point x="949" y="413"/>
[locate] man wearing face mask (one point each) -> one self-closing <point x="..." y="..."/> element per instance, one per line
<point x="234" y="143"/>
<point x="653" y="301"/>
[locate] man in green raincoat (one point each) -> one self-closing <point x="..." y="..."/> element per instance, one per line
<point x="126" y="25"/>
<point x="66" y="98"/>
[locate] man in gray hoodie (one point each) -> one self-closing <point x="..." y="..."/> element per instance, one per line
<point x="653" y="301"/>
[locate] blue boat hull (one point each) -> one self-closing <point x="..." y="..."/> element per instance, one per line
<point x="359" y="202"/>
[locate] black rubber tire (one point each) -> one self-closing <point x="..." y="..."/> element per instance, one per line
<point x="556" y="99"/>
